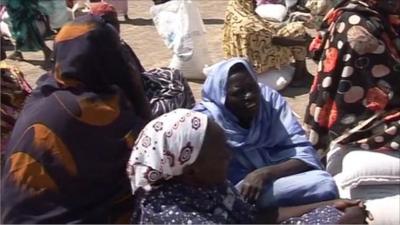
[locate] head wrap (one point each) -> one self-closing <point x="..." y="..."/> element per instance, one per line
<point x="107" y="12"/>
<point x="101" y="8"/>
<point x="85" y="42"/>
<point x="165" y="146"/>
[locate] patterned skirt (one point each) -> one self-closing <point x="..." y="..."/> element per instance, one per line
<point x="167" y="90"/>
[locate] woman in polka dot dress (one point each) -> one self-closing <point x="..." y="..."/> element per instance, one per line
<point x="355" y="98"/>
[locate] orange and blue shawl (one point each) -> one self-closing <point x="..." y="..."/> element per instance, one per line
<point x="67" y="155"/>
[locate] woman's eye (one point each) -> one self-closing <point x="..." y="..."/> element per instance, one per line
<point x="236" y="92"/>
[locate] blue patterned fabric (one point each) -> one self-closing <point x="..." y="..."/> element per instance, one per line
<point x="177" y="203"/>
<point x="323" y="215"/>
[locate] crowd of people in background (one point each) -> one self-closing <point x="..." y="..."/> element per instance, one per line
<point x="101" y="139"/>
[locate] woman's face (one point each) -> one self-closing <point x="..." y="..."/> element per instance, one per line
<point x="243" y="96"/>
<point x="211" y="166"/>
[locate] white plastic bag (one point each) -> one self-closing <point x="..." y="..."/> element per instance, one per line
<point x="277" y="79"/>
<point x="272" y="12"/>
<point x="4" y="24"/>
<point x="290" y="3"/>
<point x="80" y="8"/>
<point x="181" y="27"/>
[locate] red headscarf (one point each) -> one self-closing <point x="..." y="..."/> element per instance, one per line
<point x="106" y="11"/>
<point x="102" y="8"/>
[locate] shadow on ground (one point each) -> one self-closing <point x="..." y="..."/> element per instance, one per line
<point x="213" y="21"/>
<point x="149" y="22"/>
<point x="40" y="63"/>
<point x="293" y="92"/>
<point x="138" y="22"/>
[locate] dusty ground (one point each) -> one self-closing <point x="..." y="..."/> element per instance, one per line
<point x="143" y="38"/>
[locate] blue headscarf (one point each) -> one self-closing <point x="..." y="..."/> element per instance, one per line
<point x="274" y="135"/>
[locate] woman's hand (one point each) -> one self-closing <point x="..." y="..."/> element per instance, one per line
<point x="355" y="215"/>
<point x="354" y="211"/>
<point x="253" y="183"/>
<point x="342" y="204"/>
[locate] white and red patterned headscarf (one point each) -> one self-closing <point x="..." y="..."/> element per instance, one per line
<point x="165" y="146"/>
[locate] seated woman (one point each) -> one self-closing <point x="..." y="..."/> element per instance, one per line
<point x="165" y="88"/>
<point x="318" y="10"/>
<point x="268" y="45"/>
<point x="14" y="90"/>
<point x="178" y="171"/>
<point x="67" y="155"/>
<point x="270" y="150"/>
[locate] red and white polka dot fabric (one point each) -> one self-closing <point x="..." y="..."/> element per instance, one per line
<point x="355" y="97"/>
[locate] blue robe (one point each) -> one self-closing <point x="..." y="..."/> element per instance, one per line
<point x="275" y="136"/>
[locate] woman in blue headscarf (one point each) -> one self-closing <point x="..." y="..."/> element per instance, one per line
<point x="273" y="163"/>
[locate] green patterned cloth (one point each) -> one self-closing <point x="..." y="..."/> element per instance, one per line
<point x="24" y="18"/>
